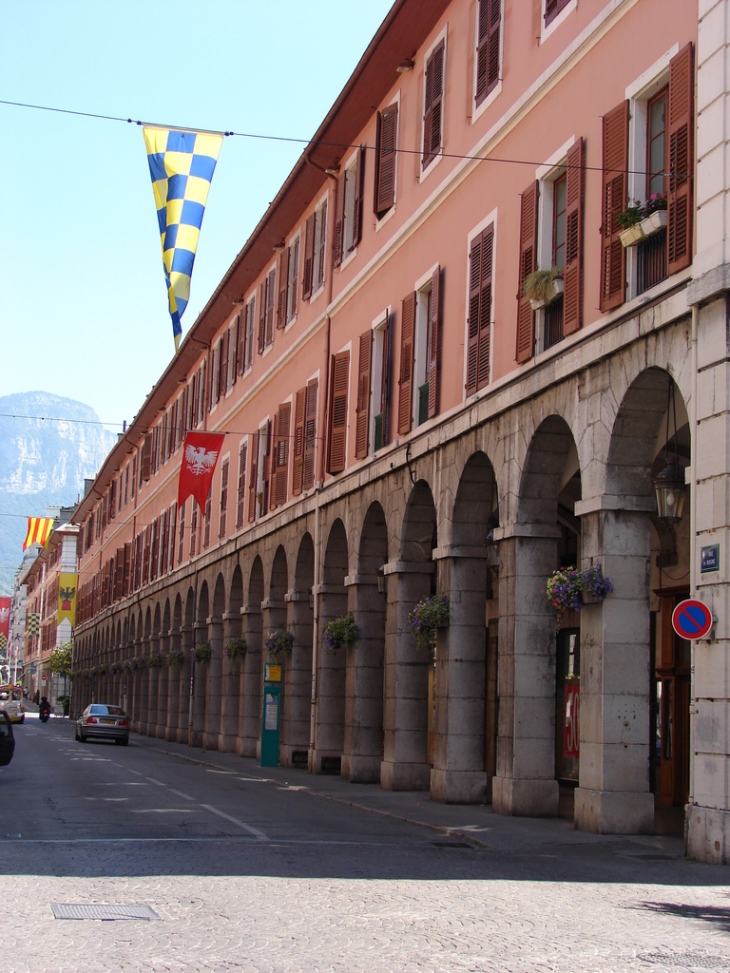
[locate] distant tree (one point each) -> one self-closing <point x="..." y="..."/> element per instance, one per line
<point x="61" y="658"/>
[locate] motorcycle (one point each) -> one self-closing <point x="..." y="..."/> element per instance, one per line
<point x="43" y="713"/>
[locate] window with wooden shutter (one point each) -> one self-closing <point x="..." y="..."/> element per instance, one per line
<point x="362" y="412"/>
<point x="241" y="491"/>
<point x="233" y="351"/>
<point x="193" y="528"/>
<point x="432" y="115"/>
<point x="164" y="542"/>
<point x="181" y="534"/>
<point x="262" y="317"/>
<point x="615" y="165"/>
<point x="338" y="241"/>
<point x="223" y="511"/>
<point x="528" y="263"/>
<point x="215" y="374"/>
<point x="481" y="262"/>
<point x="320" y="246"/>
<point x="488" y="66"/>
<point x="242" y="340"/>
<point x="249" y="336"/>
<point x="280" y="457"/>
<point x="308" y="269"/>
<point x="573" y="269"/>
<point x="202" y="371"/>
<point x="310" y="434"/>
<point x="146" y="555"/>
<point x="405" y="382"/>
<point x="681" y="160"/>
<point x="270" y="306"/>
<point x="283" y="287"/>
<point x="385" y="159"/>
<point x="293" y="288"/>
<point x="337" y="454"/>
<point x="435" y="340"/>
<point x="145" y="469"/>
<point x="207" y="518"/>
<point x="298" y="443"/>
<point x="253" y="478"/>
<point x="266" y="469"/>
<point x="223" y="378"/>
<point x="171" y="521"/>
<point x="553" y="8"/>
<point x="127" y="574"/>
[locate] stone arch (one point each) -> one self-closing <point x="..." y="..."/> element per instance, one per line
<point x="250" y="714"/>
<point x="466" y="650"/>
<point x="297" y="690"/>
<point x="330" y="664"/>
<point x="363" y="744"/>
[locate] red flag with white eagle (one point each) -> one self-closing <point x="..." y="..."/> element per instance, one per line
<point x="200" y="455"/>
<point x="5" y="618"/>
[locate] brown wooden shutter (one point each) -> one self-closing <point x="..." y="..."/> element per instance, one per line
<point x="146" y="464"/>
<point x="434" y="92"/>
<point x="338" y="413"/>
<point x="126" y="583"/>
<point x="283" y="288"/>
<point x="310" y="434"/>
<point x="322" y="244"/>
<point x="293" y="290"/>
<point x="339" y="238"/>
<point x="359" y="184"/>
<point x="490" y="12"/>
<point x="385" y="153"/>
<point x="270" y="305"/>
<point x="615" y="165"/>
<point x="262" y="317"/>
<point x="573" y="271"/>
<point x="223" y="375"/>
<point x="181" y="535"/>
<point x="241" y="342"/>
<point x="233" y="350"/>
<point x="434" y="349"/>
<point x="481" y="259"/>
<point x="241" y="493"/>
<point x="250" y="330"/>
<point x="298" y="472"/>
<point x="681" y="160"/>
<point x="172" y="522"/>
<point x="405" y="383"/>
<point x="223" y="513"/>
<point x="280" y="456"/>
<point x="308" y="270"/>
<point x="164" y="542"/>
<point x="253" y="480"/>
<point x="385" y="382"/>
<point x="362" y="429"/>
<point x="265" y="472"/>
<point x="528" y="263"/>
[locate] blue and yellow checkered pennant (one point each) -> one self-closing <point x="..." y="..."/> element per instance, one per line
<point x="32" y="623"/>
<point x="181" y="166"/>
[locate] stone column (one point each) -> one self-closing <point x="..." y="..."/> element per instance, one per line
<point x="297" y="689"/>
<point x="330" y="703"/>
<point x="213" y="689"/>
<point x="613" y="795"/>
<point x="200" y="688"/>
<point x="136" y="690"/>
<point x="172" y="721"/>
<point x="153" y="683"/>
<point x="249" y="713"/>
<point x="458" y="774"/>
<point x="525" y="781"/>
<point x="163" y="700"/>
<point x="405" y="764"/>
<point x="363" y="746"/>
<point x="185" y="718"/>
<point x="230" y="684"/>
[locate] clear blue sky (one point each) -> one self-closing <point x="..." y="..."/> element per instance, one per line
<point x="83" y="308"/>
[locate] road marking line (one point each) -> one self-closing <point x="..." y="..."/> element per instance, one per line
<point x="137" y="773"/>
<point x="158" y="782"/>
<point x="180" y="794"/>
<point x="241" y="824"/>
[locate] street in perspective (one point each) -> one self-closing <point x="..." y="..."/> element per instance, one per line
<point x="232" y="866"/>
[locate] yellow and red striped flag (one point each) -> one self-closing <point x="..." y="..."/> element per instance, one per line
<point x="39" y="530"/>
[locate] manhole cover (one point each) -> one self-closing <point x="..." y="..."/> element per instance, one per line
<point x="695" y="960"/>
<point x="84" y="910"/>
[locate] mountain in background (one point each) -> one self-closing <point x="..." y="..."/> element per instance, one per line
<point x="43" y="463"/>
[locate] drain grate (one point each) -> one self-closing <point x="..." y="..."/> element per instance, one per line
<point x="691" y="960"/>
<point x="109" y="913"/>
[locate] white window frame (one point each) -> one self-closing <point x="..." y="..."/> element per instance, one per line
<point x="547" y="175"/>
<point x="556" y="22"/>
<point x="292" y="283"/>
<point x="232" y="363"/>
<point x="479" y="110"/>
<point x="379" y="327"/>
<point x="638" y="94"/>
<point x="349" y="202"/>
<point x="263" y="430"/>
<point x="320" y="227"/>
<point x="422" y="288"/>
<point x="476" y="231"/>
<point x="249" y="347"/>
<point x="423" y="173"/>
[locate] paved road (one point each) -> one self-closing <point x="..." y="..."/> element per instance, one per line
<point x="250" y="872"/>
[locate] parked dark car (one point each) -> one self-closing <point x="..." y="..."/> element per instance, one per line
<point x="100" y="721"/>
<point x="7" y="741"/>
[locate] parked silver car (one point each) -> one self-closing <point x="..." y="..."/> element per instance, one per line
<point x="103" y="722"/>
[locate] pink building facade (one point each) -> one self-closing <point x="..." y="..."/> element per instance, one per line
<point x="404" y="416"/>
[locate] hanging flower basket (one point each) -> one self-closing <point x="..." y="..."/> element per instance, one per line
<point x="203" y="652"/>
<point x="569" y="589"/>
<point x="176" y="658"/>
<point x="139" y="662"/>
<point x="127" y="665"/>
<point x="279" y="643"/>
<point x="429" y="615"/>
<point x="236" y="649"/>
<point x="104" y="668"/>
<point x="341" y="631"/>
<point x="155" y="661"/>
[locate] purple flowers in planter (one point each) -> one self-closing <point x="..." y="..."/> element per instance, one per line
<point x="566" y="587"/>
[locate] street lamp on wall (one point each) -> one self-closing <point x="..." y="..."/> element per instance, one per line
<point x="669" y="483"/>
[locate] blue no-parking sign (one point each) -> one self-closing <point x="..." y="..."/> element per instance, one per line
<point x="692" y="619"/>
